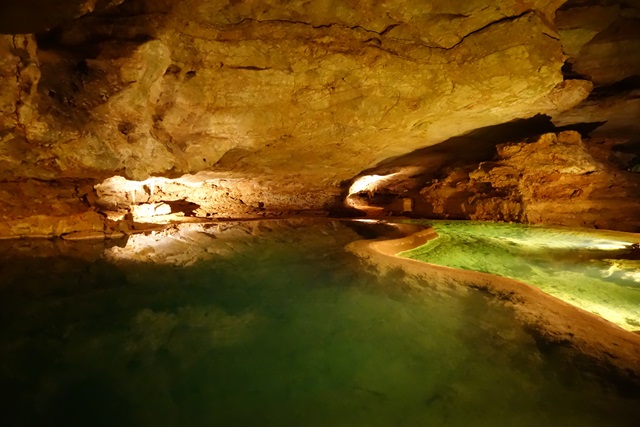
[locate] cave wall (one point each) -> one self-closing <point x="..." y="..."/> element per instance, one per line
<point x="288" y="94"/>
<point x="530" y="171"/>
<point x="558" y="179"/>
<point x="602" y="41"/>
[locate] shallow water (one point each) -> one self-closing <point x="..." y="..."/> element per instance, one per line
<point x="597" y="271"/>
<point x="269" y="324"/>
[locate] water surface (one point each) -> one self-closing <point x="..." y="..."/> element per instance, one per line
<point x="269" y="324"/>
<point x="598" y="271"/>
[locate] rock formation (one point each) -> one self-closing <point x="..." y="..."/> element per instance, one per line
<point x="276" y="104"/>
<point x="555" y="180"/>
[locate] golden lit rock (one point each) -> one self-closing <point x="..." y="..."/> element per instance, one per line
<point x="283" y="104"/>
<point x="555" y="180"/>
<point x="321" y="96"/>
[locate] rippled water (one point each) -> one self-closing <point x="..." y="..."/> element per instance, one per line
<point x="269" y="324"/>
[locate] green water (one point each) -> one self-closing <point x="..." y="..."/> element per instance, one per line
<point x="594" y="270"/>
<point x="274" y="325"/>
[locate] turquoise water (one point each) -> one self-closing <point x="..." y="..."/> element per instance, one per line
<point x="598" y="271"/>
<point x="268" y="325"/>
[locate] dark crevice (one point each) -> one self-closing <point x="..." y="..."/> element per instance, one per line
<point x="569" y="74"/>
<point x="551" y="36"/>
<point x="499" y="21"/>
<point x="97" y="28"/>
<point x="247" y="67"/>
<point x="89" y="48"/>
<point x="188" y="208"/>
<point x="476" y="146"/>
<point x="584" y="129"/>
<point x="623" y="86"/>
<point x="389" y="27"/>
<point x="286" y="21"/>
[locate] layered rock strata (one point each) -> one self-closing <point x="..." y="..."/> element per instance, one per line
<point x="284" y="93"/>
<point x="557" y="179"/>
<point x="602" y="39"/>
<point x="286" y="100"/>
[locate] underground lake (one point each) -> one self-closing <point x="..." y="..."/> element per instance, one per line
<point x="284" y="323"/>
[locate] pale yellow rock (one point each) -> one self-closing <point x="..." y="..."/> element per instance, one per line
<point x="319" y="93"/>
<point x="579" y="25"/>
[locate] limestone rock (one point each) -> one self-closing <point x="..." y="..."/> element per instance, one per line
<point x="617" y="113"/>
<point x="316" y="92"/>
<point x="30" y="16"/>
<point x="555" y="180"/>
<point x="211" y="195"/>
<point x="280" y="104"/>
<point x="36" y="209"/>
<point x="602" y="39"/>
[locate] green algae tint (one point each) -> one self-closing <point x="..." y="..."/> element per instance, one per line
<point x="272" y="325"/>
<point x="598" y="271"/>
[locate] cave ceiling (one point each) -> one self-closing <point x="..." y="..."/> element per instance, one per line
<point x="296" y="94"/>
<point x="314" y="91"/>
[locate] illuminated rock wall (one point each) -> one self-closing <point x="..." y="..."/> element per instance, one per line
<point x="296" y="97"/>
<point x="555" y="180"/>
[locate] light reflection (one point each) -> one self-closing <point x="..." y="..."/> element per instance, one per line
<point x="625" y="269"/>
<point x="610" y="246"/>
<point x="368" y="184"/>
<point x="635" y="276"/>
<point x="182" y="245"/>
<point x="571" y="242"/>
<point x="150" y="209"/>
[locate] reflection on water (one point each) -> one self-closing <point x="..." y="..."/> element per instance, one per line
<point x="595" y="270"/>
<point x="269" y="324"/>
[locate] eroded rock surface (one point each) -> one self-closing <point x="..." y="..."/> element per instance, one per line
<point x="557" y="179"/>
<point x="601" y="38"/>
<point x="286" y="101"/>
<point x="602" y="41"/>
<point x="38" y="209"/>
<point x="317" y="92"/>
<point x="210" y="195"/>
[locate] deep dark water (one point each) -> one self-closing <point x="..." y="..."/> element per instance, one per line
<point x="271" y="325"/>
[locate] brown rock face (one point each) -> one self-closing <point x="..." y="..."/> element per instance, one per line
<point x="602" y="41"/>
<point x="29" y="16"/>
<point x="210" y="195"/>
<point x="601" y="38"/>
<point x="35" y="209"/>
<point x="282" y="101"/>
<point x="556" y="180"/>
<point x="314" y="92"/>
